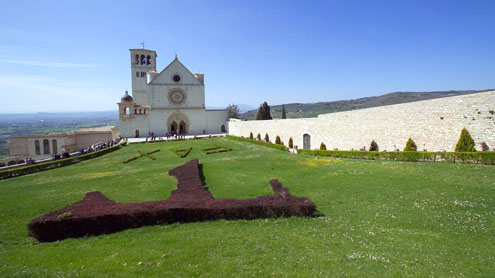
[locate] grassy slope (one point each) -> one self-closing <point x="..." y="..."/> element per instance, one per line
<point x="380" y="218"/>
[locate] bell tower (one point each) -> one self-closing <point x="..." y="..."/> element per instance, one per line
<point x="142" y="61"/>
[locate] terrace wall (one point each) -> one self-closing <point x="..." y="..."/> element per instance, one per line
<point x="435" y="125"/>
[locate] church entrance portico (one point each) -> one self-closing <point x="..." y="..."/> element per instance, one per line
<point x="178" y="123"/>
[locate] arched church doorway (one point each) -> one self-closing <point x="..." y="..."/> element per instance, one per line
<point x="306" y="141"/>
<point x="173" y="127"/>
<point x="182" y="127"/>
<point x="222" y="128"/>
<point x="137" y="133"/>
<point x="178" y="123"/>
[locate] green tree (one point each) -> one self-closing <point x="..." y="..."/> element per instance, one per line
<point x="233" y="111"/>
<point x="465" y="143"/>
<point x="267" y="139"/>
<point x="284" y="116"/>
<point x="410" y="146"/>
<point x="291" y="144"/>
<point x="373" y="146"/>
<point x="323" y="147"/>
<point x="258" y="136"/>
<point x="277" y="140"/>
<point x="250" y="135"/>
<point x="263" y="112"/>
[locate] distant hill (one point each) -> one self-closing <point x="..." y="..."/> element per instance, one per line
<point x="308" y="110"/>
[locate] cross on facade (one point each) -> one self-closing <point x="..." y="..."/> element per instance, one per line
<point x="142" y="44"/>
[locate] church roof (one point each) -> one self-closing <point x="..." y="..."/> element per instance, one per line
<point x="176" y="60"/>
<point x="127" y="97"/>
<point x="142" y="49"/>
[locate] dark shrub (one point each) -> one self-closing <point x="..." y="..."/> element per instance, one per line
<point x="267" y="139"/>
<point x="250" y="135"/>
<point x="291" y="144"/>
<point x="12" y="162"/>
<point x="373" y="146"/>
<point x="484" y="147"/>
<point x="277" y="140"/>
<point x="323" y="147"/>
<point x="410" y="146"/>
<point x="465" y="143"/>
<point x="258" y="136"/>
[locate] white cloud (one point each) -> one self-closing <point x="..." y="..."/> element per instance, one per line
<point x="45" y="63"/>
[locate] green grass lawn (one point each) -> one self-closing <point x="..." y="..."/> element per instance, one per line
<point x="378" y="218"/>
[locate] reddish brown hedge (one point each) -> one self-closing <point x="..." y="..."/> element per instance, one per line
<point x="96" y="214"/>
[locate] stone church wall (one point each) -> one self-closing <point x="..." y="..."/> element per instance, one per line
<point x="435" y="125"/>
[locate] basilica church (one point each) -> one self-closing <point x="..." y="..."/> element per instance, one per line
<point x="172" y="101"/>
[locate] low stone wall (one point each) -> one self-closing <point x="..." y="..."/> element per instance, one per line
<point x="435" y="125"/>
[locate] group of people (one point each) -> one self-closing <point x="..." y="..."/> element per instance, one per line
<point x="29" y="161"/>
<point x="57" y="156"/>
<point x="101" y="146"/>
<point x="179" y="136"/>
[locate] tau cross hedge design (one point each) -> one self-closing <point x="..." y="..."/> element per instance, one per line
<point x="95" y="214"/>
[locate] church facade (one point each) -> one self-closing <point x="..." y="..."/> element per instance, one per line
<point x="172" y="101"/>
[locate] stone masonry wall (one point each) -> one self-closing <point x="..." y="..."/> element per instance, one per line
<point x="435" y="125"/>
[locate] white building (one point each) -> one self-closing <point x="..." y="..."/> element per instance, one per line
<point x="170" y="101"/>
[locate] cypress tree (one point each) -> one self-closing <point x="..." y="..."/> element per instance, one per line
<point x="465" y="143"/>
<point x="263" y="112"/>
<point x="410" y="146"/>
<point x="323" y="147"/>
<point x="291" y="144"/>
<point x="277" y="140"/>
<point x="373" y="146"/>
<point x="250" y="135"/>
<point x="259" y="113"/>
<point x="258" y="136"/>
<point x="283" y="112"/>
<point x="267" y="139"/>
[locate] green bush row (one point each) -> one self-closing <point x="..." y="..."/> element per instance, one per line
<point x="468" y="157"/>
<point x="53" y="164"/>
<point x="275" y="146"/>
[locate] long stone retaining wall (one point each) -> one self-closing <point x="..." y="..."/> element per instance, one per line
<point x="435" y="125"/>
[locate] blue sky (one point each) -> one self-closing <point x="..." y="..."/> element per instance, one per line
<point x="74" y="55"/>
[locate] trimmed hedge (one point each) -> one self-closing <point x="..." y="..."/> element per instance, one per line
<point x="217" y="149"/>
<point x="467" y="157"/>
<point x="190" y="202"/>
<point x="141" y="155"/>
<point x="53" y="164"/>
<point x="275" y="146"/>
<point x="182" y="153"/>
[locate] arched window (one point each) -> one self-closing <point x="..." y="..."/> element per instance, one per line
<point x="143" y="60"/>
<point x="37" y="147"/>
<point x="46" y="146"/>
<point x="148" y="60"/>
<point x="135" y="111"/>
<point x="140" y="111"/>
<point x="137" y="59"/>
<point x="54" y="146"/>
<point x="222" y="128"/>
<point x="126" y="111"/>
<point x="137" y="133"/>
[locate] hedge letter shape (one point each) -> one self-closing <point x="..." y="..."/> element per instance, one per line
<point x="96" y="214"/>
